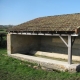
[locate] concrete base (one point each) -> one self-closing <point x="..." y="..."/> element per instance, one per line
<point x="48" y="63"/>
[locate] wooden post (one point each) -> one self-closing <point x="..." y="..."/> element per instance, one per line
<point x="69" y="49"/>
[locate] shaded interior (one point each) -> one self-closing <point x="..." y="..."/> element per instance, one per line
<point x="25" y="44"/>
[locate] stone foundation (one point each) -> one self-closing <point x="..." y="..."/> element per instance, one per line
<point x="48" y="63"/>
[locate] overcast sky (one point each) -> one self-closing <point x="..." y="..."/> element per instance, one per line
<point x="15" y="12"/>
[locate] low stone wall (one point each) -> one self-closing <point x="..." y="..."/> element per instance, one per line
<point x="54" y="55"/>
<point x="48" y="64"/>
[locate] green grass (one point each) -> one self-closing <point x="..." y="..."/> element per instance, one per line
<point x="13" y="69"/>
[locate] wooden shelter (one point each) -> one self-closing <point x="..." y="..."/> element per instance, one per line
<point x="59" y="25"/>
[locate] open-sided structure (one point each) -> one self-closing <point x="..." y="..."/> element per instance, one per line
<point x="40" y="30"/>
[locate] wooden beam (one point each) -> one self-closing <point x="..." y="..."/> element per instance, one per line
<point x="73" y="40"/>
<point x="47" y="34"/>
<point x="63" y="40"/>
<point x="69" y="49"/>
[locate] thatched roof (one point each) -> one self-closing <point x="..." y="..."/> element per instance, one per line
<point x="68" y="22"/>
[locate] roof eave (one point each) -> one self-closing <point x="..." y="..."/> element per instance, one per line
<point x="44" y="32"/>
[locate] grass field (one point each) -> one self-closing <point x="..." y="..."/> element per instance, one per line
<point x="13" y="69"/>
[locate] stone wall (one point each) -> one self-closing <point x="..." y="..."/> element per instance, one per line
<point x="55" y="45"/>
<point x="22" y="43"/>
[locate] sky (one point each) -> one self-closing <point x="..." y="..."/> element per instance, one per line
<point x="14" y="12"/>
